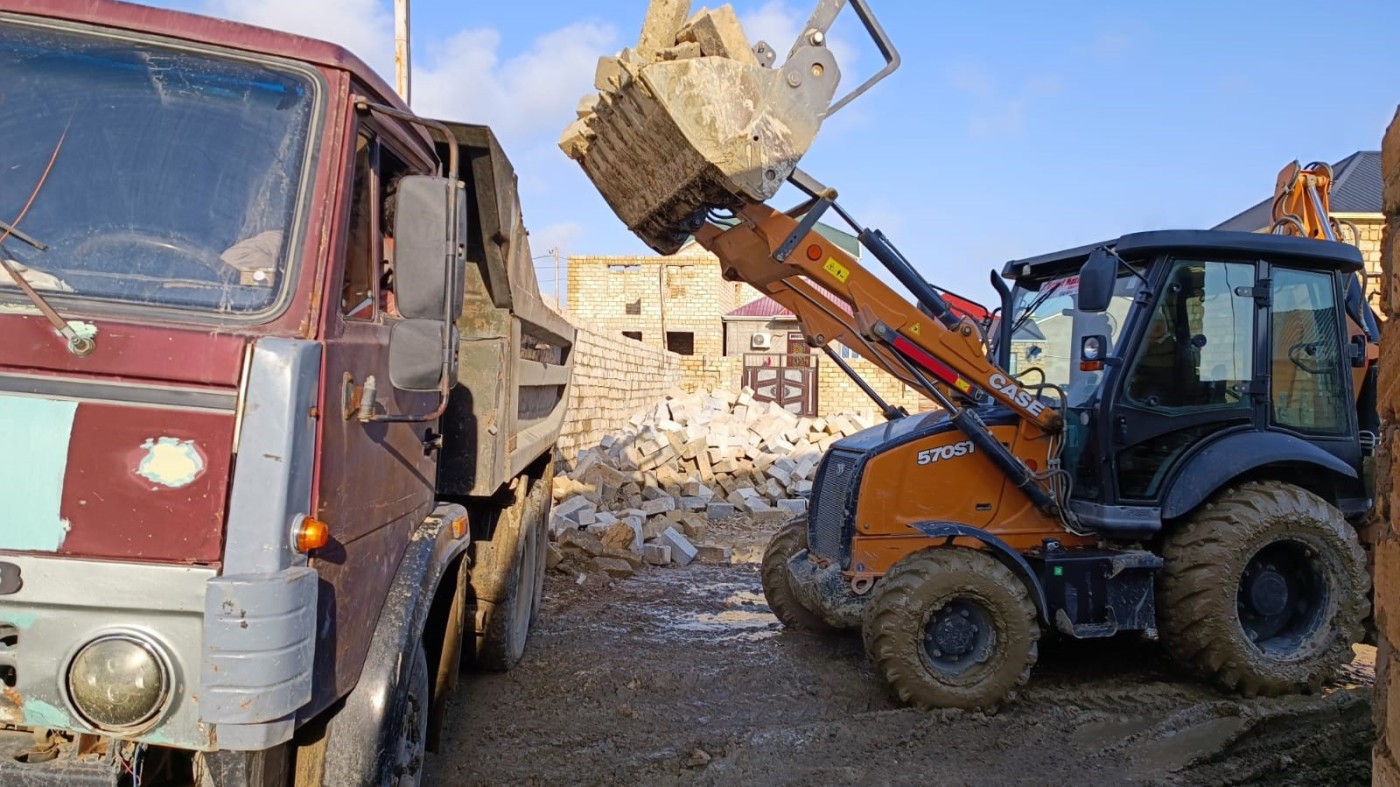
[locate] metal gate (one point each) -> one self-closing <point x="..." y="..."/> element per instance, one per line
<point x="789" y="380"/>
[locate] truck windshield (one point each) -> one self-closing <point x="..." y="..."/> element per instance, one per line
<point x="169" y="178"/>
<point x="1050" y="326"/>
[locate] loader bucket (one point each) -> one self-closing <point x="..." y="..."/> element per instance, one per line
<point x="695" y="118"/>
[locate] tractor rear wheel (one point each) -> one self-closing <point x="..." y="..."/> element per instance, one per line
<point x="950" y="627"/>
<point x="1264" y="590"/>
<point x="777" y="588"/>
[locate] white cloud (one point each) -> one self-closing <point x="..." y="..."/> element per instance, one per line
<point x="996" y="111"/>
<point x="365" y="27"/>
<point x="526" y="96"/>
<point x="1112" y="44"/>
<point x="561" y="236"/>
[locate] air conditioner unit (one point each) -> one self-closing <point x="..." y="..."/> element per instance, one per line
<point x="761" y="341"/>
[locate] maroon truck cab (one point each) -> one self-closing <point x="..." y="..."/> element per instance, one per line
<point x="231" y="303"/>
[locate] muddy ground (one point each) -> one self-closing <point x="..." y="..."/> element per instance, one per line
<point x="682" y="676"/>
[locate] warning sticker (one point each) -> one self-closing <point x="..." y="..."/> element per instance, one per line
<point x="837" y="270"/>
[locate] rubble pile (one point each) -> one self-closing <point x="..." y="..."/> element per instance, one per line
<point x="648" y="495"/>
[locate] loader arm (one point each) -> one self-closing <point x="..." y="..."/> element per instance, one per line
<point x="943" y="358"/>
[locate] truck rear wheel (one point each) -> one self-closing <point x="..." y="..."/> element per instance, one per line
<point x="950" y="627"/>
<point x="788" y="541"/>
<point x="1264" y="590"/>
<point x="507" y="577"/>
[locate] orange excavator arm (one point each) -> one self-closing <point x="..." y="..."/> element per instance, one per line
<point x="942" y="356"/>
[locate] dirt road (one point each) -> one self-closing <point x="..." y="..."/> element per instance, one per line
<point x="681" y="676"/>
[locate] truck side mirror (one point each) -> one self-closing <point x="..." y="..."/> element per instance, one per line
<point x="430" y="237"/>
<point x="1096" y="279"/>
<point x="416" y="350"/>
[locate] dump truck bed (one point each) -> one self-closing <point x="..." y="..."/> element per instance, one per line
<point x="516" y="353"/>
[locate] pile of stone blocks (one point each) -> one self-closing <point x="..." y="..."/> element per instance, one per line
<point x="693" y="459"/>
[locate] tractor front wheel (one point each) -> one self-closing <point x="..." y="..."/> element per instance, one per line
<point x="777" y="587"/>
<point x="1264" y="590"/>
<point x="950" y="627"/>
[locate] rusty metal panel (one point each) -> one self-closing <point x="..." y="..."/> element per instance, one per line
<point x="126" y="351"/>
<point x="147" y="483"/>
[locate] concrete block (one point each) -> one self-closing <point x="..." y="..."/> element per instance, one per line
<point x="682" y="551"/>
<point x="659" y="505"/>
<point x="793" y="506"/>
<point x="719" y="34"/>
<point x="714" y="555"/>
<point x="693" y="503"/>
<point x="657" y="554"/>
<point x="716" y="512"/>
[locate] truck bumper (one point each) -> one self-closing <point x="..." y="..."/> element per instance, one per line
<point x="825" y="592"/>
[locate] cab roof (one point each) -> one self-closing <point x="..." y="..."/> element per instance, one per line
<point x="1329" y="255"/>
<point x="208" y="30"/>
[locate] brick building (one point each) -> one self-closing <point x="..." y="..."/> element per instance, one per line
<point x="667" y="303"/>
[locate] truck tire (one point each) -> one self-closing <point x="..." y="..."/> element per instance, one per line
<point x="537" y="508"/>
<point x="950" y="627"/>
<point x="407" y="741"/>
<point x="503" y="583"/>
<point x="1263" y="590"/>
<point x="788" y="541"/>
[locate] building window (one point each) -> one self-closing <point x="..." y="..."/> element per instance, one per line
<point x="680" y="342"/>
<point x="635" y="336"/>
<point x="635" y="307"/>
<point x="624" y="268"/>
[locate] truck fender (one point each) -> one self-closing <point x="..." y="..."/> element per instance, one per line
<point x="1222" y="461"/>
<point x="353" y="754"/>
<point x="1000" y="550"/>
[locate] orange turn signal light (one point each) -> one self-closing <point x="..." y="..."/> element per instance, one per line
<point x="459" y="527"/>
<point x="311" y="534"/>
<point x="1090" y="366"/>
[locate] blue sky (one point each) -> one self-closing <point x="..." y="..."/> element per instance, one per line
<point x="1042" y="126"/>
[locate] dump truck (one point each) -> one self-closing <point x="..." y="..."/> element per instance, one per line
<point x="1163" y="434"/>
<point x="279" y="400"/>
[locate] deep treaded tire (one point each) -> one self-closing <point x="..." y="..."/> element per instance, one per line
<point x="788" y="541"/>
<point x="1264" y="590"/>
<point x="950" y="627"/>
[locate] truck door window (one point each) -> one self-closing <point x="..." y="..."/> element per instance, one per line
<point x="1309" y="393"/>
<point x="357" y="299"/>
<point x="368" y="287"/>
<point x="1198" y="349"/>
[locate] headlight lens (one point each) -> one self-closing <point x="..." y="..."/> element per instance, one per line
<point x="118" y="682"/>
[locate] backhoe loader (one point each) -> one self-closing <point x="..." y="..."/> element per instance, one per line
<point x="1164" y="433"/>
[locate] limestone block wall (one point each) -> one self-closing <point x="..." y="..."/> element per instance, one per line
<point x="1386" y="555"/>
<point x="838" y="392"/>
<point x="614" y="379"/>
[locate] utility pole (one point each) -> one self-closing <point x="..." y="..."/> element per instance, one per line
<point x="403" y="80"/>
<point x="558" y="303"/>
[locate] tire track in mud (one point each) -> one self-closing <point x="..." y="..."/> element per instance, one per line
<point x="682" y="676"/>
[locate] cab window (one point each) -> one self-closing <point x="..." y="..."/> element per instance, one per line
<point x="1309" y="392"/>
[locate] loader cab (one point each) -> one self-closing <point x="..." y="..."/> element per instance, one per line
<point x="1209" y="356"/>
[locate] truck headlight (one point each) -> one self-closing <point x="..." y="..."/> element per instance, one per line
<point x="119" y="682"/>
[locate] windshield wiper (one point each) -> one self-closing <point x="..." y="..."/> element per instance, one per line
<point x="10" y="231"/>
<point x="1033" y="305"/>
<point x="77" y="344"/>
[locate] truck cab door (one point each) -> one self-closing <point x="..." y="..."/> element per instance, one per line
<point x="1190" y="375"/>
